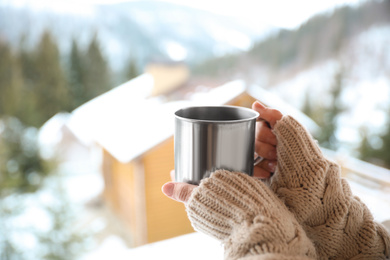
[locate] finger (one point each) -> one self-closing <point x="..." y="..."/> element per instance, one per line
<point x="265" y="150"/>
<point x="264" y="133"/>
<point x="178" y="191"/>
<point x="259" y="172"/>
<point x="268" y="114"/>
<point x="267" y="165"/>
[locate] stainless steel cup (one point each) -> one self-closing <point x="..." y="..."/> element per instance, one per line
<point x="208" y="138"/>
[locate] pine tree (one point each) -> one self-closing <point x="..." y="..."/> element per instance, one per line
<point x="328" y="122"/>
<point x="97" y="75"/>
<point x="30" y="114"/>
<point x="10" y="82"/>
<point x="76" y="76"/>
<point x="52" y="93"/>
<point x="131" y="70"/>
<point x="307" y="107"/>
<point x="21" y="167"/>
<point x="378" y="155"/>
<point x="384" y="152"/>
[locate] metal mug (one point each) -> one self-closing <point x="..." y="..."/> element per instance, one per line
<point x="208" y="138"/>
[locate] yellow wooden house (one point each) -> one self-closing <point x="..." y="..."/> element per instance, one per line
<point x="135" y="130"/>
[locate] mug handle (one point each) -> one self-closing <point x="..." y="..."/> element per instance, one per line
<point x="258" y="160"/>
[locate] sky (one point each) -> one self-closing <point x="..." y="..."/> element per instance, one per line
<point x="279" y="13"/>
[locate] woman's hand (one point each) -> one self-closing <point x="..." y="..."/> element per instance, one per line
<point x="265" y="141"/>
<point x="265" y="147"/>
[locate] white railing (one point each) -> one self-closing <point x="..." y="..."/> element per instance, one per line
<point x="369" y="182"/>
<point x="363" y="172"/>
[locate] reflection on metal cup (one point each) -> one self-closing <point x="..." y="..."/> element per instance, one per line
<point x="208" y="138"/>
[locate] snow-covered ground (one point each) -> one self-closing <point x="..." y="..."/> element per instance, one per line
<point x="193" y="246"/>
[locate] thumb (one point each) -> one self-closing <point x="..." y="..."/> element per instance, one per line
<point x="178" y="191"/>
<point x="268" y="114"/>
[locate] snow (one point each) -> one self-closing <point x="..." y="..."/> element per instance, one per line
<point x="175" y="50"/>
<point x="126" y="139"/>
<point x="368" y="98"/>
<point x="220" y="95"/>
<point x="34" y="215"/>
<point x="223" y="34"/>
<point x="58" y="7"/>
<point x="316" y="80"/>
<point x="50" y="134"/>
<point x="85" y="119"/>
<point x="193" y="246"/>
<point x="83" y="187"/>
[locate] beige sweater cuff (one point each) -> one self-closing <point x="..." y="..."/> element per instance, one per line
<point x="300" y="160"/>
<point x="246" y="216"/>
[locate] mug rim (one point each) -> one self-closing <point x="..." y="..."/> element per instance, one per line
<point x="255" y="114"/>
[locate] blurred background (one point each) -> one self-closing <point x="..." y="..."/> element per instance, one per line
<point x="87" y="95"/>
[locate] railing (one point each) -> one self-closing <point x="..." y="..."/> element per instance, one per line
<point x="369" y="182"/>
<point x="363" y="172"/>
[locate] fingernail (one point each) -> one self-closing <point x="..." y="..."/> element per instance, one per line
<point x="272" y="166"/>
<point x="272" y="154"/>
<point x="167" y="189"/>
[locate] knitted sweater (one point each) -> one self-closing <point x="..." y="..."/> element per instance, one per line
<point x="305" y="212"/>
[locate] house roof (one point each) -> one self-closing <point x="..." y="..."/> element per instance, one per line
<point x="127" y="122"/>
<point x="92" y="119"/>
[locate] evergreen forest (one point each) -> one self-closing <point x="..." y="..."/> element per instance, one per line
<point x="35" y="84"/>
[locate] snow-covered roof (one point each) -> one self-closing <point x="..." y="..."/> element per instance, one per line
<point x="122" y="99"/>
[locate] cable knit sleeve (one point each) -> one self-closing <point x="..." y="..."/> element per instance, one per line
<point x="248" y="218"/>
<point x="339" y="224"/>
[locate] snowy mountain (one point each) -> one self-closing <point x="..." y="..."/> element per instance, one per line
<point x="365" y="64"/>
<point x="143" y="30"/>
